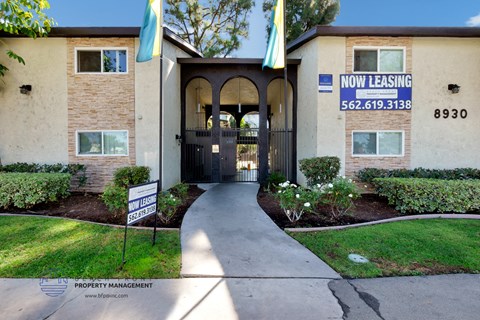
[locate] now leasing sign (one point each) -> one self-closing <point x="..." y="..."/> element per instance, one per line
<point x="375" y="92"/>
<point x="142" y="201"/>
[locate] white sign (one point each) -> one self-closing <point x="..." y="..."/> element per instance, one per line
<point x="142" y="201"/>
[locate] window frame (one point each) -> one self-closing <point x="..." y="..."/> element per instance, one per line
<point x="378" y="49"/>
<point x="101" y="49"/>
<point x="77" y="144"/>
<point x="377" y="155"/>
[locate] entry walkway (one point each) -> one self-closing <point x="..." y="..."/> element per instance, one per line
<point x="225" y="233"/>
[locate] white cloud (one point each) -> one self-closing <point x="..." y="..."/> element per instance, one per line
<point x="474" y="21"/>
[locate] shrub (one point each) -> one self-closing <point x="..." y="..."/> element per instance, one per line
<point x="320" y="170"/>
<point x="180" y="190"/>
<point x="24" y="190"/>
<point x="430" y="195"/>
<point x="368" y="174"/>
<point x="274" y="179"/>
<point x="78" y="171"/>
<point x="339" y="196"/>
<point x="295" y="200"/>
<point x="115" y="198"/>
<point x="167" y="206"/>
<point x="130" y="176"/>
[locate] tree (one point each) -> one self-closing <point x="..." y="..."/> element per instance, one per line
<point x="214" y="27"/>
<point x="23" y="17"/>
<point x="303" y="15"/>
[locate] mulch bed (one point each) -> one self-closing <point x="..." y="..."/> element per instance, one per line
<point x="90" y="207"/>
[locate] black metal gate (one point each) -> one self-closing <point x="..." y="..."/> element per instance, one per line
<point x="238" y="154"/>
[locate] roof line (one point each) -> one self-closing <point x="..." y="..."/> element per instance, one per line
<point x="337" y="31"/>
<point x="119" y="32"/>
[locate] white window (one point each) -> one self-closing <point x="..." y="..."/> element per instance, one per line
<point x="102" y="143"/>
<point x="91" y="60"/>
<point x="377" y="143"/>
<point x="370" y="59"/>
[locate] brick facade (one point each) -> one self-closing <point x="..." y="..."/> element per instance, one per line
<point x="101" y="102"/>
<point x="377" y="120"/>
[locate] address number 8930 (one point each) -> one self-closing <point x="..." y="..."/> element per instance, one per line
<point x="446" y="113"/>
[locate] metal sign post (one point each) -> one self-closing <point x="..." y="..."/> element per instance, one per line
<point x="142" y="203"/>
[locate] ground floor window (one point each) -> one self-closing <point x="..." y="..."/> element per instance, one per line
<point x="378" y="143"/>
<point x="102" y="143"/>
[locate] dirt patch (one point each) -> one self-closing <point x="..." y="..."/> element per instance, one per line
<point x="90" y="207"/>
<point x="370" y="207"/>
<point x="390" y="268"/>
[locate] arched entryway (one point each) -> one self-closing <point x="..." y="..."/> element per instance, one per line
<point x="220" y="141"/>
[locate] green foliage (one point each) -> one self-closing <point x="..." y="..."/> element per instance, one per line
<point x="167" y="206"/>
<point x="301" y="16"/>
<point x="215" y="27"/>
<point x="23" y="17"/>
<point x="339" y="196"/>
<point x="180" y="190"/>
<point x="320" y="170"/>
<point x="24" y="190"/>
<point x="295" y="200"/>
<point x="115" y="198"/>
<point x="77" y="171"/>
<point x="368" y="174"/>
<point x="130" y="176"/>
<point x="274" y="179"/>
<point x="417" y="195"/>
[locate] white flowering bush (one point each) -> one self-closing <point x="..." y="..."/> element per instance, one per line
<point x="338" y="195"/>
<point x="167" y="205"/>
<point x="295" y="200"/>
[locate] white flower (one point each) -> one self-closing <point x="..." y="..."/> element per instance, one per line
<point x="343" y="177"/>
<point x="350" y="195"/>
<point x="330" y="185"/>
<point x="294" y="185"/>
<point x="297" y="196"/>
<point x="307" y="204"/>
<point x="365" y="186"/>
<point x="318" y="185"/>
<point x="350" y="180"/>
<point x="279" y="191"/>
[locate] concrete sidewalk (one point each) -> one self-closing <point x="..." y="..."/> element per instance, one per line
<point x="225" y="233"/>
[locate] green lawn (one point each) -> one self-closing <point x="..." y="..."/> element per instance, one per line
<point x="417" y="247"/>
<point x="33" y="247"/>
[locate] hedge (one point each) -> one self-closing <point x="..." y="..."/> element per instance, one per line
<point x="368" y="174"/>
<point x="24" y="190"/>
<point x="419" y="195"/>
<point x="320" y="170"/>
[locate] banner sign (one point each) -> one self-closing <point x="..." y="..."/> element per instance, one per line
<point x="375" y="92"/>
<point x="142" y="201"/>
<point x="325" y="83"/>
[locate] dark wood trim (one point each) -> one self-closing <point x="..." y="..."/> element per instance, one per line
<point x="332" y="31"/>
<point x="229" y="61"/>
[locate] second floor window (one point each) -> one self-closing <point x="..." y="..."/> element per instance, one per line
<point x="101" y="61"/>
<point x="379" y="60"/>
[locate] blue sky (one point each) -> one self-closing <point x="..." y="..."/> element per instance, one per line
<point x="449" y="13"/>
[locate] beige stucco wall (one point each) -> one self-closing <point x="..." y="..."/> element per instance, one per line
<point x="33" y="127"/>
<point x="320" y="124"/>
<point x="147" y="84"/>
<point x="445" y="143"/>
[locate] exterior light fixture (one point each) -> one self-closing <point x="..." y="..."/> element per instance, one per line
<point x="280" y="104"/>
<point x="26" y="89"/>
<point x="455" y="88"/>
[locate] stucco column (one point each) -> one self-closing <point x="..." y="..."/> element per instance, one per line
<point x="263" y="133"/>
<point x="216" y="88"/>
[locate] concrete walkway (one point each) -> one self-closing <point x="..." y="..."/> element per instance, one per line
<point x="225" y="233"/>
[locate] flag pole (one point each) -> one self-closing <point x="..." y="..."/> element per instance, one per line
<point x="160" y="140"/>
<point x="285" y="91"/>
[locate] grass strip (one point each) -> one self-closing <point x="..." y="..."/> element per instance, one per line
<point x="420" y="247"/>
<point x="37" y="247"/>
